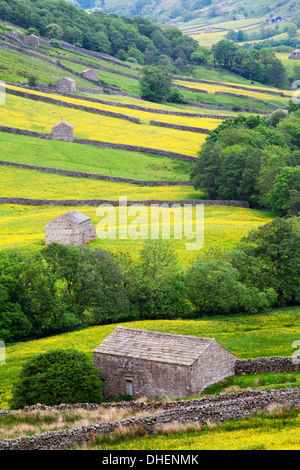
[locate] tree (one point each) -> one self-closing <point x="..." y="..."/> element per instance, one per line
<point x="213" y="287"/>
<point x="284" y="197"/>
<point x="55" y="377"/>
<point x="269" y="257"/>
<point x="155" y="84"/>
<point x="54" y="31"/>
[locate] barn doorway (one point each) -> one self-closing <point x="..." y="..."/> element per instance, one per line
<point x="129" y="387"/>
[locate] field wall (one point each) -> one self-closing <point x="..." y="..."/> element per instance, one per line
<point x="216" y="409"/>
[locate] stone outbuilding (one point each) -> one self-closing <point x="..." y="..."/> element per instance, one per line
<point x="63" y="131"/>
<point x="72" y="228"/>
<point x="66" y="85"/>
<point x="152" y="364"/>
<point x="32" y="40"/>
<point x="295" y="54"/>
<point x="91" y="74"/>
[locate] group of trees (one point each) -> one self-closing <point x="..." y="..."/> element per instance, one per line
<point x="255" y="159"/>
<point x="135" y="39"/>
<point x="62" y="287"/>
<point x="262" y="66"/>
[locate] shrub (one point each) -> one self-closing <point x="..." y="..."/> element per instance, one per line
<point x="58" y="376"/>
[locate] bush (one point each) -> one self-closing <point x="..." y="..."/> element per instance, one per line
<point x="58" y="376"/>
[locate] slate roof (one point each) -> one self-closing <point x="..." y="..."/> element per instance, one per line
<point x="154" y="346"/>
<point x="74" y="216"/>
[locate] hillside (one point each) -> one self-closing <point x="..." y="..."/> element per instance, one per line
<point x="209" y="11"/>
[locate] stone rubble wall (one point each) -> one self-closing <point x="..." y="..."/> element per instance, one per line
<point x="56" y="101"/>
<point x="267" y="365"/>
<point x="98" y="143"/>
<point x="239" y="87"/>
<point x="79" y="174"/>
<point x="214" y="409"/>
<point x="180" y="127"/>
<point x="115" y="203"/>
<point x="269" y="105"/>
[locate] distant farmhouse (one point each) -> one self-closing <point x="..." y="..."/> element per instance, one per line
<point x="66" y="84"/>
<point x="239" y="17"/>
<point x="295" y="54"/>
<point x="275" y="19"/>
<point x="72" y="228"/>
<point x="32" y="40"/>
<point x="147" y="363"/>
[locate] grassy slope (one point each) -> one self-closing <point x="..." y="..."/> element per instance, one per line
<point x="88" y="159"/>
<point x="258" y="335"/>
<point x="24" y="227"/>
<point x="261" y="432"/>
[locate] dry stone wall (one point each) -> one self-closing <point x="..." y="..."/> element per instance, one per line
<point x="56" y="101"/>
<point x="267" y="365"/>
<point x="217" y="409"/>
<point x="79" y="174"/>
<point x="97" y="202"/>
<point x="180" y="127"/>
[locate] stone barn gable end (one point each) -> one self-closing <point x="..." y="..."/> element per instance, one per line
<point x="153" y="364"/>
<point x="72" y="228"/>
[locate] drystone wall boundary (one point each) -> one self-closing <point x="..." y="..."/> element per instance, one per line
<point x="236" y="95"/>
<point x="99" y="143"/>
<point x="79" y="174"/>
<point x="97" y="202"/>
<point x="66" y="104"/>
<point x="238" y="87"/>
<point x="200" y="130"/>
<point x="237" y="406"/>
<point x="267" y="365"/>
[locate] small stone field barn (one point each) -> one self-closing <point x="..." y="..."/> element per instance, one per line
<point x="156" y="365"/>
<point x="63" y="131"/>
<point x="295" y="54"/>
<point x="72" y="228"/>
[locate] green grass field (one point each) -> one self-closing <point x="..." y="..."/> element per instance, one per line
<point x="88" y="159"/>
<point x="264" y="431"/>
<point x="267" y="334"/>
<point x="24" y="227"/>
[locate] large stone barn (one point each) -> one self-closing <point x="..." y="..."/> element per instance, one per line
<point x="72" y="228"/>
<point x="147" y="363"/>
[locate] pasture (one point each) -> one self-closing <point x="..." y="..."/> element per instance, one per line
<point x="267" y="334"/>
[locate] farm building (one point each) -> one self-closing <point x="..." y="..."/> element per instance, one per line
<point x="239" y="17"/>
<point x="147" y="363"/>
<point x="295" y="54"/>
<point x="32" y="40"/>
<point x="72" y="228"/>
<point x="275" y="19"/>
<point x="91" y="74"/>
<point x="63" y="131"/>
<point x="66" y="84"/>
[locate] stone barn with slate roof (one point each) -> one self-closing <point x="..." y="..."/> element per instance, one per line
<point x="147" y="363"/>
<point x="63" y="131"/>
<point x="72" y="228"/>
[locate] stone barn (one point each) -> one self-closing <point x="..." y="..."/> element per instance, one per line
<point x="147" y="363"/>
<point x="295" y="54"/>
<point x="72" y="228"/>
<point x="32" y="40"/>
<point x="63" y="131"/>
<point x="91" y="74"/>
<point x="66" y="84"/>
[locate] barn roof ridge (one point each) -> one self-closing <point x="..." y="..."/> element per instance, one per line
<point x="167" y="347"/>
